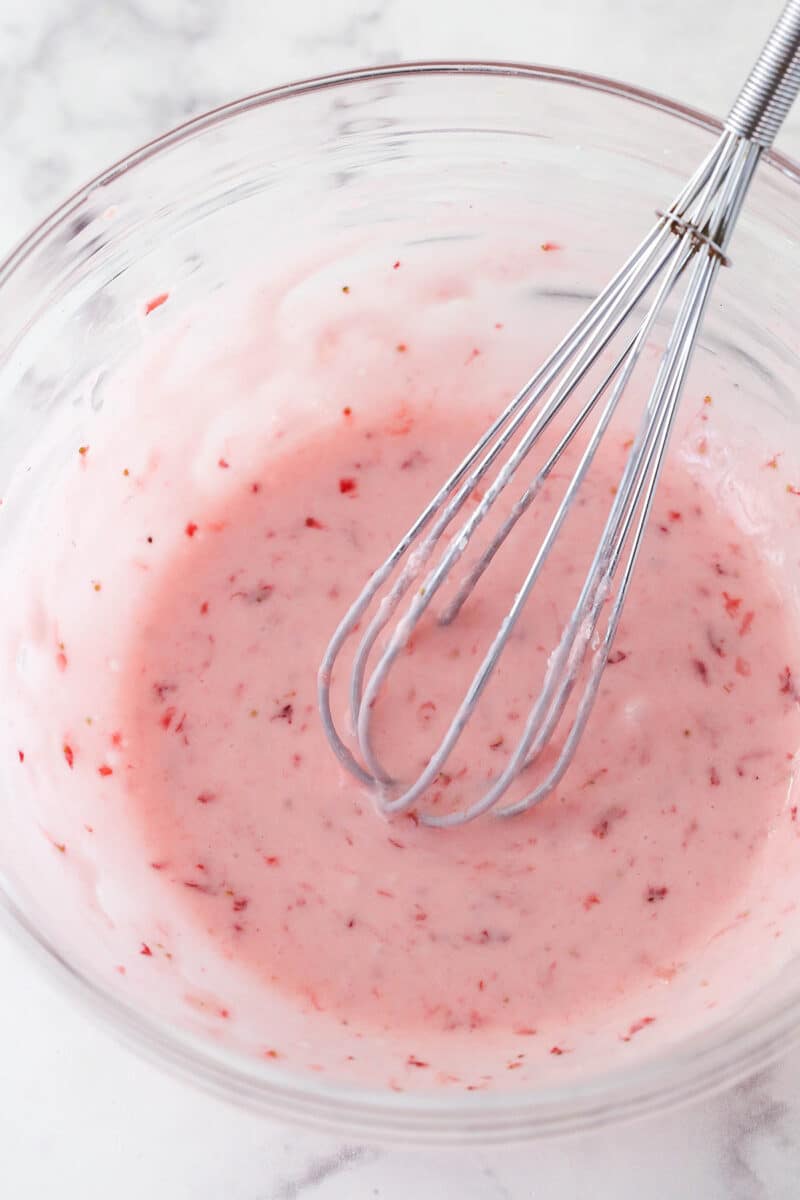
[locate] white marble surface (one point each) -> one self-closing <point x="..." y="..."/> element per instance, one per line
<point x="81" y="82"/>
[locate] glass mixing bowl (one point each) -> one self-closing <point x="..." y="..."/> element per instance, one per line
<point x="394" y="146"/>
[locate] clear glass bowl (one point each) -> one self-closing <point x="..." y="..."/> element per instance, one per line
<point x="398" y="145"/>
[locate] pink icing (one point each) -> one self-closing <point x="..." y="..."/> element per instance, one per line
<point x="277" y="855"/>
<point x="172" y="636"/>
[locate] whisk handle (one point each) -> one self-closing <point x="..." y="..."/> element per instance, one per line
<point x="771" y="87"/>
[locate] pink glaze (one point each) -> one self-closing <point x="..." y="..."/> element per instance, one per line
<point x="279" y="858"/>
<point x="177" y="720"/>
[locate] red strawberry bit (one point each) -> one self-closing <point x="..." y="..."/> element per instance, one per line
<point x="206" y="798"/>
<point x="772" y="463"/>
<point x="716" y="643"/>
<point x="425" y="712"/>
<point x="747" y="621"/>
<point x="105" y="770"/>
<point x="401" y="347"/>
<point x="602" y="828"/>
<point x="257" y="595"/>
<point x="194" y="886"/>
<point x="701" y="669"/>
<point x="284" y="713"/>
<point x="524" y="1031"/>
<point x="223" y="464"/>
<point x="272" y="860"/>
<point x="240" y="903"/>
<point x="558" y="1050"/>
<point x="347" y="486"/>
<point x="654" y="894"/>
<point x="413" y="1061"/>
<point x="397" y="845"/>
<point x="204" y="608"/>
<point x="674" y="515"/>
<point x="396" y="265"/>
<point x="742" y="667"/>
<point x="21" y="754"/>
<point x="616" y="656"/>
<point x="713" y="777"/>
<point x="786" y="680"/>
<point x="69" y="755"/>
<point x="347" y="411"/>
<point x="732" y="604"/>
<point x="793" y="491"/>
<point x="636" y="1027"/>
<point x="61" y="660"/>
<point x="415" y="459"/>
<point x="166" y="720"/>
<point x="590" y="900"/>
<point x="793" y="812"/>
<point x="155" y="303"/>
<point x="191" y="529"/>
<point x="146" y="951"/>
<point x="313" y="523"/>
<point x="550" y="246"/>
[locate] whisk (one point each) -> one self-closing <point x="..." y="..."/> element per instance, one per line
<point x="687" y="245"/>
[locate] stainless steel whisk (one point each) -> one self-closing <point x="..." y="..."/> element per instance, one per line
<point x="689" y="242"/>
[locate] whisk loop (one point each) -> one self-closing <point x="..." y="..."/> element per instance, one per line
<point x="687" y="246"/>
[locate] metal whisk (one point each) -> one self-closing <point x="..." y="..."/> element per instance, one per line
<point x="688" y="244"/>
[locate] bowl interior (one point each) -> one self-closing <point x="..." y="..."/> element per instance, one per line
<point x="409" y="157"/>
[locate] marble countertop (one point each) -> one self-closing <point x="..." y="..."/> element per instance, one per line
<point x="83" y="81"/>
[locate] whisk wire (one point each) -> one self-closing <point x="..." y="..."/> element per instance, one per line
<point x="568" y="657"/>
<point x="690" y="241"/>
<point x="363" y="705"/>
<point x="647" y="478"/>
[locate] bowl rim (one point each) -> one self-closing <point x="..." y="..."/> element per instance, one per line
<point x="699" y="1065"/>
